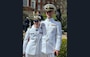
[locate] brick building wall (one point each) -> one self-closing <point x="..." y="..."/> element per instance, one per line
<point x="37" y="3"/>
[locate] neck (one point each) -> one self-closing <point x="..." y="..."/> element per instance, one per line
<point x="36" y="26"/>
<point x="49" y="17"/>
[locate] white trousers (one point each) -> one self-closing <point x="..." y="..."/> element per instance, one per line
<point x="41" y="55"/>
<point x="27" y="55"/>
<point x="47" y="55"/>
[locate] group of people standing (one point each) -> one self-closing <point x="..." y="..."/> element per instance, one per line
<point x="43" y="39"/>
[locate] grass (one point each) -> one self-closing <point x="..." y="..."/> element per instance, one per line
<point x="63" y="50"/>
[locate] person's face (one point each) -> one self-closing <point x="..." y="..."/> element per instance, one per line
<point x="49" y="13"/>
<point x="36" y="22"/>
<point x="37" y="12"/>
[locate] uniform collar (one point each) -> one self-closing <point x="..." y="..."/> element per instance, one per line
<point x="51" y="19"/>
<point x="34" y="27"/>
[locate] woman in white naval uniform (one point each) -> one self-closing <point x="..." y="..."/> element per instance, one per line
<point x="32" y="40"/>
<point x="52" y="41"/>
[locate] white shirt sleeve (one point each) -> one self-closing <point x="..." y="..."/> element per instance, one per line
<point x="58" y="36"/>
<point x="25" y="41"/>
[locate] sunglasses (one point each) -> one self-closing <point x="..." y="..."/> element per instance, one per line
<point x="36" y="20"/>
<point x="49" y="11"/>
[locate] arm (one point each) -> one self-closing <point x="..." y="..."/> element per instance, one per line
<point x="58" y="37"/>
<point x="25" y="41"/>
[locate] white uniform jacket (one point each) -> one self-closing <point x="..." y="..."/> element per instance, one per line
<point x="52" y="40"/>
<point x="32" y="42"/>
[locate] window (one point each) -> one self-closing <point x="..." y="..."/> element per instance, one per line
<point x="39" y="1"/>
<point x="24" y="2"/>
<point x="38" y="7"/>
<point x="32" y="5"/>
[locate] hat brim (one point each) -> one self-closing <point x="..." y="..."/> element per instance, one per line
<point x="49" y="7"/>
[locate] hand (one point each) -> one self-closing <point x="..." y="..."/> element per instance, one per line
<point x="24" y="55"/>
<point x="57" y="52"/>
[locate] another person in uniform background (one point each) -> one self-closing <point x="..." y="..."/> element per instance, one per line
<point x="34" y="12"/>
<point x="51" y="43"/>
<point x="32" y="40"/>
<point x="39" y="14"/>
<point x="26" y="23"/>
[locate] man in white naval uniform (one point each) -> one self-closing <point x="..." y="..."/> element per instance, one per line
<point x="52" y="41"/>
<point x="32" y="40"/>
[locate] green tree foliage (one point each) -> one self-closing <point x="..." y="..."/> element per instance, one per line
<point x="63" y="50"/>
<point x="64" y="22"/>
